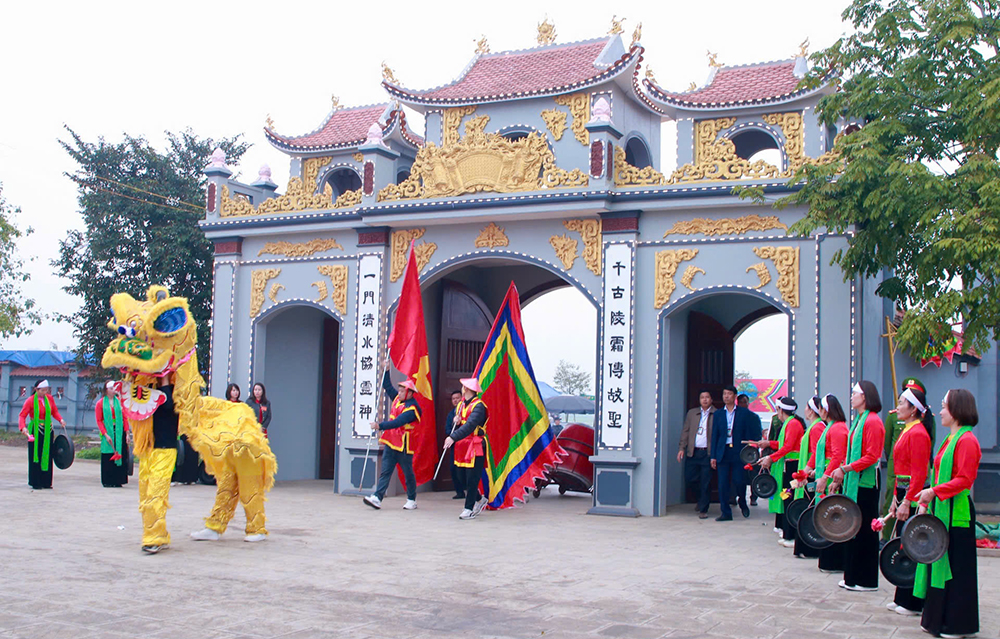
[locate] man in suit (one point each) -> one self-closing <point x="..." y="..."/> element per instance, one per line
<point x="730" y="427"/>
<point x="696" y="449"/>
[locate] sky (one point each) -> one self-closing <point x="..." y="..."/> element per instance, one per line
<point x="110" y="68"/>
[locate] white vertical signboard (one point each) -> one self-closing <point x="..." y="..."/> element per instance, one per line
<point x="367" y="358"/>
<point x="616" y="347"/>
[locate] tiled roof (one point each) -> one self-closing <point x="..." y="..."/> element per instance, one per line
<point x="40" y="371"/>
<point x="343" y="128"/>
<point x="749" y="84"/>
<point x="550" y="69"/>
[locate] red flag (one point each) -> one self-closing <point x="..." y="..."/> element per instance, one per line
<point x="409" y="354"/>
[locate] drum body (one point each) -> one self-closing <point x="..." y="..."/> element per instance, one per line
<point x="837" y="518"/>
<point x="575" y="472"/>
<point x="924" y="538"/>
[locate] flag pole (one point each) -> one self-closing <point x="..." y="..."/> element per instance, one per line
<point x="378" y="407"/>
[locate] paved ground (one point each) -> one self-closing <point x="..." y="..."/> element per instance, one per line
<point x="71" y="567"/>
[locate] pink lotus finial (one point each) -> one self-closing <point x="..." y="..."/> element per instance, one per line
<point x="264" y="174"/>
<point x="218" y="158"/>
<point x="601" y="111"/>
<point x="374" y="134"/>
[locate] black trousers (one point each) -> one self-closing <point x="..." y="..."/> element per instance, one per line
<point x="113" y="475"/>
<point x="904" y="596"/>
<point x="803" y="549"/>
<point x="458" y="478"/>
<point x="954" y="609"/>
<point x="473" y="477"/>
<point x="861" y="560"/>
<point x="37" y="477"/>
<point x="698" y="470"/>
<point x="731" y="472"/>
<point x="831" y="559"/>
<point x="787" y="525"/>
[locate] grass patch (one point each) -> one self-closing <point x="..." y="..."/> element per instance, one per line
<point x="89" y="453"/>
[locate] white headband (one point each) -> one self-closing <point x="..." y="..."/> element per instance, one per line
<point x="109" y="384"/>
<point x="43" y="384"/>
<point x="812" y="405"/>
<point x="910" y="397"/>
<point x="825" y="403"/>
<point x="857" y="389"/>
<point x="785" y="407"/>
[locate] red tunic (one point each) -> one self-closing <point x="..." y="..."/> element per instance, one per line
<point x="910" y="457"/>
<point x="793" y="440"/>
<point x="964" y="466"/>
<point x="99" y="414"/>
<point x="814" y="436"/>
<point x="872" y="443"/>
<point x="28" y="411"/>
<point x="836" y="448"/>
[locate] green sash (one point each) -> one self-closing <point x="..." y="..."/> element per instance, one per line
<point x="804" y="455"/>
<point x="866" y="478"/>
<point x="44" y="434"/>
<point x="953" y="511"/>
<point x="776" y="504"/>
<point x="113" y="425"/>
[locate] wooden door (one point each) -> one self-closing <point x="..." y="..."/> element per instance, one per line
<point x="328" y="398"/>
<point x="465" y="325"/>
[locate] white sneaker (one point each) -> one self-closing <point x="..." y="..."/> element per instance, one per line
<point x="478" y="508"/>
<point x="467" y="514"/>
<point x="152" y="550"/>
<point x="787" y="543"/>
<point x="206" y="534"/>
<point x="778" y="531"/>
<point x="842" y="584"/>
<point x="373" y="501"/>
<point x="891" y="606"/>
<point x="947" y="636"/>
<point x="410" y="505"/>
<point x="859" y="588"/>
<point x="255" y="538"/>
<point x="906" y="612"/>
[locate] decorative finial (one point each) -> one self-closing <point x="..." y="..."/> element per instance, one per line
<point x="616" y="26"/>
<point x="218" y="158"/>
<point x="335" y="102"/>
<point x="804" y="49"/>
<point x="269" y="123"/>
<point x="546" y="32"/>
<point x="387" y="74"/>
<point x="482" y="46"/>
<point x="713" y="60"/>
<point x="374" y="134"/>
<point x="649" y="74"/>
<point x="692" y="87"/>
<point x="637" y="34"/>
<point x="601" y="111"/>
<point x="264" y="174"/>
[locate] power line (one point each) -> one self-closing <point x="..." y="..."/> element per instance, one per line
<point x="135" y="188"/>
<point x="129" y="197"/>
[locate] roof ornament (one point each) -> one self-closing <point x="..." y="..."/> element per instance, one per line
<point x="616" y="26"/>
<point x="801" y="65"/>
<point x="482" y="46"/>
<point x="264" y="174"/>
<point x="374" y="134"/>
<point x="692" y="87"/>
<point x="335" y="102"/>
<point x="713" y="60"/>
<point x="218" y="159"/>
<point x="804" y="49"/>
<point x="546" y="32"/>
<point x="649" y="74"/>
<point x="601" y="111"/>
<point x="269" y="123"/>
<point x="388" y="75"/>
<point x="637" y="34"/>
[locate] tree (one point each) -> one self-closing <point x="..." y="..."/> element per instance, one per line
<point x="570" y="379"/>
<point x="17" y="312"/>
<point x="920" y="181"/>
<point x="140" y="228"/>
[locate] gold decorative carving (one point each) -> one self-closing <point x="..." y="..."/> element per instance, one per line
<point x="299" y="249"/>
<point x="720" y="162"/>
<point x="273" y="293"/>
<point x="726" y="226"/>
<point x="794" y="132"/>
<point x="786" y="262"/>
<point x="546" y="32"/>
<point x="590" y="232"/>
<point x="579" y="108"/>
<point x="692" y="87"/>
<point x="628" y="175"/>
<point x="555" y="122"/>
<point x="399" y="245"/>
<point x="311" y="167"/>
<point x="713" y="60"/>
<point x="258" y="282"/>
<point x="235" y="206"/>
<point x="616" y="26"/>
<point x="649" y="74"/>
<point x="689" y="274"/>
<point x="296" y="198"/>
<point x="321" y="290"/>
<point x="347" y="199"/>
<point x="492" y="236"/>
<point x="269" y="122"/>
<point x="763" y="274"/>
<point x="553" y="176"/>
<point x="706" y="131"/>
<point x="358" y="157"/>
<point x="804" y="49"/>
<point x="565" y="248"/>
<point x="334" y="102"/>
<point x="338" y="277"/>
<point x="450" y="121"/>
<point x="482" y="46"/>
<point x="637" y="34"/>
<point x="388" y="75"/>
<point x="666" y="268"/>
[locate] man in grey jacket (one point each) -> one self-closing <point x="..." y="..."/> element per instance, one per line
<point x="696" y="449"/>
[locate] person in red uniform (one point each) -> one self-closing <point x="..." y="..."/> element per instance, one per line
<point x="860" y="479"/>
<point x="35" y="421"/>
<point x="786" y="449"/>
<point x="830" y="453"/>
<point x="949" y="586"/>
<point x="912" y="457"/>
<point x="806" y="489"/>
<point x="397" y="435"/>
<point x="469" y="439"/>
<point x="113" y="424"/>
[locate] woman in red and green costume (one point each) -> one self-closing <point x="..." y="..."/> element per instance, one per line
<point x="949" y="586"/>
<point x="912" y="455"/>
<point x="35" y="421"/>
<point x="860" y="478"/>
<point x="893" y="429"/>
<point x="114" y="429"/>
<point x="807" y="448"/>
<point x="786" y="449"/>
<point x="830" y="453"/>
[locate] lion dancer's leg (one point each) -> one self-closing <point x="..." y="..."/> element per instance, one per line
<point x="226" y="495"/>
<point x="252" y="480"/>
<point x="155" y="469"/>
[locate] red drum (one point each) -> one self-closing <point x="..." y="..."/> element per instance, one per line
<point x="575" y="472"/>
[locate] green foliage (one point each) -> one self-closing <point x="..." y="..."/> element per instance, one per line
<point x="570" y="379"/>
<point x="17" y="312"/>
<point x="94" y="452"/>
<point x="920" y="181"/>
<point x="141" y="209"/>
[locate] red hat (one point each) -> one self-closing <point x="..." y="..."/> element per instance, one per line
<point x="472" y="384"/>
<point x="409" y="383"/>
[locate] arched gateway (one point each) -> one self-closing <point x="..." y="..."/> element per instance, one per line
<point x="675" y="265"/>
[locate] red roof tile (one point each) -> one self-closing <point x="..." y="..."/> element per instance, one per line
<point x="343" y="127"/>
<point x="554" y="68"/>
<point x="757" y="83"/>
<point x="40" y="371"/>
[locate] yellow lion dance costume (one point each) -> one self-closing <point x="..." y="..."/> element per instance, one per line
<point x="157" y="339"/>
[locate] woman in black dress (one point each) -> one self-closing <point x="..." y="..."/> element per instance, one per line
<point x="260" y="405"/>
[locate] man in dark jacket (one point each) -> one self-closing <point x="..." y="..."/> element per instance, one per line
<point x="732" y="425"/>
<point x="396" y="434"/>
<point x="469" y="439"/>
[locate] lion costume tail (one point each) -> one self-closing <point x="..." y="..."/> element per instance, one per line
<point x="224" y="432"/>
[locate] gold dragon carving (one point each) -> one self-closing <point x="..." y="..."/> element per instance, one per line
<point x="565" y="248"/>
<point x="786" y="262"/>
<point x="794" y="132"/>
<point x="299" y="249"/>
<point x="705" y="134"/>
<point x="321" y="290"/>
<point x="726" y="226"/>
<point x="338" y="277"/>
<point x="450" y="121"/>
<point x="590" y="232"/>
<point x="689" y="274"/>
<point x="666" y="268"/>
<point x="258" y="282"/>
<point x="399" y="244"/>
<point x="492" y="236"/>
<point x="347" y="199"/>
<point x="763" y="274"/>
<point x="311" y="168"/>
<point x="358" y="157"/>
<point x="579" y="108"/>
<point x="628" y="175"/>
<point x="273" y="294"/>
<point x="555" y="122"/>
<point x="546" y="32"/>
